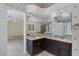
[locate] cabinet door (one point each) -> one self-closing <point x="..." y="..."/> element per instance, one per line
<point x="52" y="47"/>
<point x="64" y="51"/>
<point x="42" y="46"/>
<point x="48" y="44"/>
<point x="70" y="49"/>
<point x="29" y="47"/>
<point x="55" y="48"/>
<point x="55" y="51"/>
<point x="37" y="46"/>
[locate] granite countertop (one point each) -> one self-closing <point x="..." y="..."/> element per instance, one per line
<point x="50" y="37"/>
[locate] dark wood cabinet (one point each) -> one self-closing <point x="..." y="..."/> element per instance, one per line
<point x="55" y="47"/>
<point x="65" y="49"/>
<point x="58" y="48"/>
<point x="47" y="44"/>
<point x="52" y="46"/>
<point x="38" y="46"/>
<point x="35" y="46"/>
<point x="30" y="46"/>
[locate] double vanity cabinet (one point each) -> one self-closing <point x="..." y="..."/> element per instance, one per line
<point x="55" y="47"/>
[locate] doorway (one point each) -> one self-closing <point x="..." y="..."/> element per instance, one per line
<point x="15" y="33"/>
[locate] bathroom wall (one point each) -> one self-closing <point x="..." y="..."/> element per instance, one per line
<point x="3" y="30"/>
<point x="15" y="28"/>
<point x="75" y="33"/>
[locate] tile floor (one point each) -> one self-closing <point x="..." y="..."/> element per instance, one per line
<point x="15" y="48"/>
<point x="44" y="53"/>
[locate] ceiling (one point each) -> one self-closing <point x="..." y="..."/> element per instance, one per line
<point x="44" y="5"/>
<point x="16" y="6"/>
<point x="14" y="15"/>
<point x="13" y="8"/>
<point x="21" y="6"/>
<point x="40" y="14"/>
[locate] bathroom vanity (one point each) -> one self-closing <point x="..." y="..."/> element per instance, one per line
<point x="53" y="45"/>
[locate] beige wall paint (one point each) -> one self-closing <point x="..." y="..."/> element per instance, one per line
<point x="15" y="28"/>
